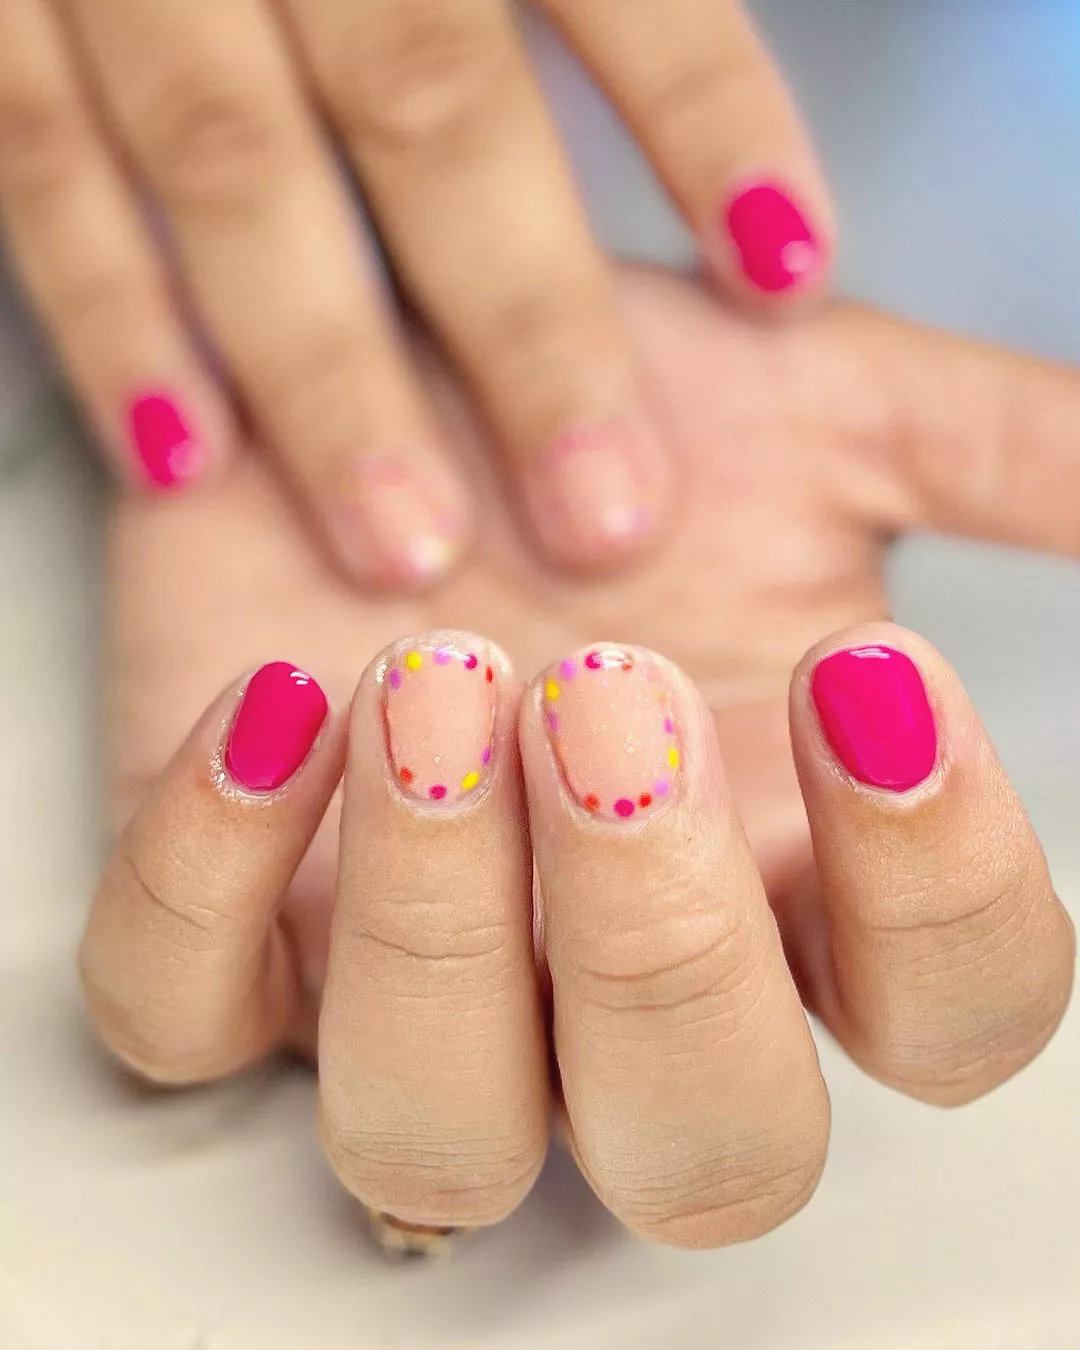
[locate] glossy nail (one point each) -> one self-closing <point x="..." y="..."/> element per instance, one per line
<point x="439" y="713"/>
<point x="166" y="446"/>
<point x="876" y="717"/>
<point x="776" y="246"/>
<point x="610" y="719"/>
<point x="275" y="727"/>
<point x="391" y="525"/>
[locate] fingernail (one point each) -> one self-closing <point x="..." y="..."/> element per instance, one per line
<point x="391" y="525"/>
<point x="166" y="446"/>
<point x="610" y="718"/>
<point x="876" y="717"/>
<point x="400" y="1239"/>
<point x="439" y="713"/>
<point x="776" y="245"/>
<point x="275" y="727"/>
<point x="593" y="491"/>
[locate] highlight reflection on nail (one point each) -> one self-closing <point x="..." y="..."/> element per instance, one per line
<point x="439" y="711"/>
<point x="609" y="717"/>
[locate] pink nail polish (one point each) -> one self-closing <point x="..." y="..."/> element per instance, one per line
<point x="275" y="727"/>
<point x="439" y="713"/>
<point x="875" y="714"/>
<point x="610" y="719"/>
<point x="394" y="525"/>
<point x="777" y="248"/>
<point x="166" y="446"/>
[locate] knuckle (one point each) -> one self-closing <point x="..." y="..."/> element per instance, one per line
<point x="423" y="77"/>
<point x="551" y="333"/>
<point x="206" y="143"/>
<point x="41" y="140"/>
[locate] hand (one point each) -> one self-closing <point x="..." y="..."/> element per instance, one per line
<point x="228" y="116"/>
<point x="923" y="932"/>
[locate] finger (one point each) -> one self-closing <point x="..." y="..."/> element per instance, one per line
<point x="187" y="975"/>
<point x="698" y="1110"/>
<point x="698" y="87"/>
<point x="87" y="261"/>
<point x="208" y="102"/>
<point x="461" y="163"/>
<point x="951" y="957"/>
<point x="432" y="1063"/>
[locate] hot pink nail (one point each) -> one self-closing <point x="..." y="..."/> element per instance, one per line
<point x="275" y="727"/>
<point x="875" y="714"/>
<point x="168" y="450"/>
<point x="439" y="711"/>
<point x="610" y="720"/>
<point x="778" y="250"/>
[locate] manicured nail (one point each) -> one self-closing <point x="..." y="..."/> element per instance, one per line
<point x="592" y="491"/>
<point x="610" y="719"/>
<point x="439" y="713"/>
<point x="875" y="714"/>
<point x="776" y="246"/>
<point x="167" y="448"/>
<point x="279" y="717"/>
<point x="391" y="525"/>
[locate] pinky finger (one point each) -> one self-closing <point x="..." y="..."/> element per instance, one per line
<point x="186" y="972"/>
<point x="89" y="265"/>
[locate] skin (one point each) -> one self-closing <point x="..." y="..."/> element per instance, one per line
<point x="805" y="452"/>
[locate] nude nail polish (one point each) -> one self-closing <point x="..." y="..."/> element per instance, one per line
<point x="439" y="697"/>
<point x="611" y="722"/>
<point x="776" y="245"/>
<point x="593" y="492"/>
<point x="393" y="525"/>
<point x="875" y="714"/>
<point x="165" y="444"/>
<point x="281" y="713"/>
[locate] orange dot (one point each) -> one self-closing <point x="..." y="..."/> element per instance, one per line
<point x="489" y="675"/>
<point x="645" y="800"/>
<point x="406" y="775"/>
<point x="592" y="802"/>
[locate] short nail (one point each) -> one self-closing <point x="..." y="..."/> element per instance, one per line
<point x="166" y="445"/>
<point x="275" y="727"/>
<point x="876" y="717"/>
<point x="610" y="718"/>
<point x="391" y="524"/>
<point x="439" y="713"/>
<point x="400" y="1239"/>
<point x="777" y="247"/>
<point x="593" y="485"/>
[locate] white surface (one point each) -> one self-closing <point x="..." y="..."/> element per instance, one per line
<point x="209" y="1222"/>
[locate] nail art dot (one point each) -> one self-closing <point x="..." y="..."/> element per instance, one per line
<point x="438" y="792"/>
<point x="394" y="678"/>
<point x="406" y="775"/>
<point x="592" y="802"/>
<point x="669" y="726"/>
<point x="628" y="664"/>
<point x="624" y="807"/>
<point x="552" y="719"/>
<point x="660" y="788"/>
<point x="485" y="757"/>
<point x="645" y="800"/>
<point x="489" y="675"/>
<point x="470" y="781"/>
<point x="568" y="669"/>
<point x="414" y="661"/>
<point x="673" y="758"/>
<point x="551" y="691"/>
<point x="471" y="662"/>
<point x="594" y="661"/>
<point x="442" y="656"/>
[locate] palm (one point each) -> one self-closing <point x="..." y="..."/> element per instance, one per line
<point x="784" y="444"/>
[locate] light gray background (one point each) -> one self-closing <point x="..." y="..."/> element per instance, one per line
<point x="952" y="132"/>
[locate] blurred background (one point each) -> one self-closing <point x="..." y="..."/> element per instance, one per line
<point x="951" y="129"/>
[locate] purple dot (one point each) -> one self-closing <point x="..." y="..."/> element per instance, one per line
<point x="395" y="678"/>
<point x="438" y="792"/>
<point x="442" y="656"/>
<point x="660" y="788"/>
<point x="485" y="755"/>
<point x="552" y="721"/>
<point x="471" y="662"/>
<point x="568" y="669"/>
<point x="669" y="726"/>
<point x="624" y="807"/>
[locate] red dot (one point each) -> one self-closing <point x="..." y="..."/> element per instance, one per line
<point x="438" y="792"/>
<point x="592" y="802"/>
<point x="406" y="775"/>
<point x="489" y="675"/>
<point x="624" y="807"/>
<point x="645" y="800"/>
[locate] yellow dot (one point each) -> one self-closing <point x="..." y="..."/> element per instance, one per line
<point x="551" y="691"/>
<point x="673" y="757"/>
<point x="470" y="781"/>
<point x="413" y="661"/>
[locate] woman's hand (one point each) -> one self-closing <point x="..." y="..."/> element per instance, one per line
<point x="250" y="277"/>
<point x="918" y="922"/>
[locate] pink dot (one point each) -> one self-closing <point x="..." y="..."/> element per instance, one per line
<point x="485" y="755"/>
<point x="553" y="721"/>
<point x="669" y="726"/>
<point x="568" y="669"/>
<point x="442" y="657"/>
<point x="624" y="807"/>
<point x="660" y="788"/>
<point x="471" y="662"/>
<point x="594" y="661"/>
<point x="438" y="792"/>
<point x="395" y="678"/>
